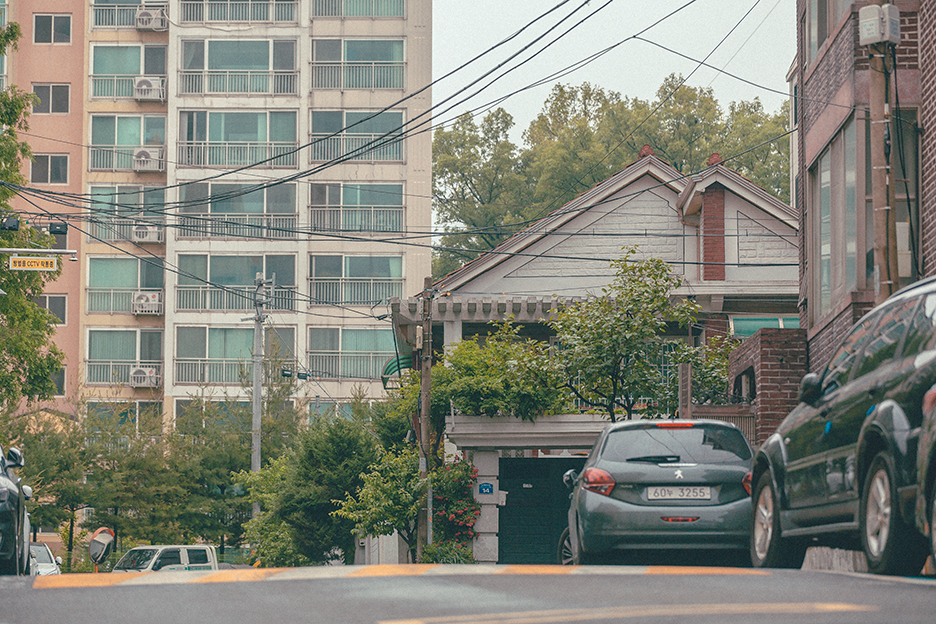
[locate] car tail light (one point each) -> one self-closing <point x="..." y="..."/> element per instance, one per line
<point x="679" y="518"/>
<point x="598" y="481"/>
<point x="675" y="425"/>
<point x="746" y="482"/>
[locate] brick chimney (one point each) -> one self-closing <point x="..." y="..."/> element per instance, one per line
<point x="646" y="150"/>
<point x="712" y="226"/>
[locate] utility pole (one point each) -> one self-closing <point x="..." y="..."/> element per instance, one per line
<point x="424" y="350"/>
<point x="877" y="32"/>
<point x="259" y="301"/>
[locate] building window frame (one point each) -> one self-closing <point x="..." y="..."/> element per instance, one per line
<point x="56" y="32"/>
<point x="54" y="103"/>
<point x="49" y="169"/>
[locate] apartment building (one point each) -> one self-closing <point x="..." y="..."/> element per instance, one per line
<point x="212" y="143"/>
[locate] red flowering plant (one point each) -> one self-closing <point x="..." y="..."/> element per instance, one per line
<point x="454" y="509"/>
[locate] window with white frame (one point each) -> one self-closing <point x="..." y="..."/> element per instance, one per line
<point x="49" y="169"/>
<point x="357" y="135"/>
<point x="128" y="72"/>
<point x="56" y="304"/>
<point x="357" y="64"/>
<point x="114" y="284"/>
<point x="116" y="140"/>
<point x="237" y="138"/>
<point x="357" y="207"/>
<point x="355" y="280"/>
<point x="237" y="210"/>
<point x="51" y="28"/>
<point x="214" y="355"/>
<point x="222" y="282"/>
<point x="744" y="326"/>
<point x="239" y="66"/>
<point x="53" y="98"/>
<point x="349" y="352"/>
<point x="115" y="355"/>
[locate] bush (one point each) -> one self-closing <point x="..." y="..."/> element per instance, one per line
<point x="447" y="552"/>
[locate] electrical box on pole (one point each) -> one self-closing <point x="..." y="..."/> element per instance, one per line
<point x="878" y="24"/>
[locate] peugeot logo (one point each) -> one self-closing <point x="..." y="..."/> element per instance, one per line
<point x="679" y="474"/>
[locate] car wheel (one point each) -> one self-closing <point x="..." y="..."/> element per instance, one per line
<point x="768" y="550"/>
<point x="564" y="555"/>
<point x="890" y="545"/>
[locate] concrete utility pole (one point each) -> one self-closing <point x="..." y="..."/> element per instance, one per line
<point x="424" y="350"/>
<point x="259" y="301"/>
<point x="883" y="191"/>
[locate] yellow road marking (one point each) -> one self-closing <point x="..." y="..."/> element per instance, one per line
<point x="535" y="569"/>
<point x="582" y="615"/>
<point x="702" y="570"/>
<point x="403" y="569"/>
<point x="85" y="580"/>
<point x="234" y="576"/>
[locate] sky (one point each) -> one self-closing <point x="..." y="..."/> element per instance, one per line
<point x="753" y="39"/>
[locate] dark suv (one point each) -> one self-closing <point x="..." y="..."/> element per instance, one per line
<point x="14" y="534"/>
<point x="842" y="468"/>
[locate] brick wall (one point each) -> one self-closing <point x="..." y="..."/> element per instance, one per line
<point x="927" y="47"/>
<point x="778" y="360"/>
<point x="713" y="233"/>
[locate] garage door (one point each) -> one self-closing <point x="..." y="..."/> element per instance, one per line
<point x="536" y="510"/>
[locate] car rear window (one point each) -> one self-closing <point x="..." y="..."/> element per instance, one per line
<point x="136" y="559"/>
<point x="697" y="444"/>
<point x="41" y="553"/>
<point x="197" y="556"/>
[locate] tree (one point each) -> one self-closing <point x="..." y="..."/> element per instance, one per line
<point x="28" y="356"/>
<point x="749" y="133"/>
<point x="613" y="346"/>
<point x="477" y="187"/>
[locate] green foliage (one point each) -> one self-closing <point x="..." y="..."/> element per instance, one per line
<point x="710" y="370"/>
<point x="612" y="346"/>
<point x="326" y="464"/>
<point x="455" y="509"/>
<point x="451" y="552"/>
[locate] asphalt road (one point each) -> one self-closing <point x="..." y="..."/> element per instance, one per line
<point x="417" y="594"/>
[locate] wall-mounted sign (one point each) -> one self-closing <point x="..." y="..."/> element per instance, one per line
<point x="485" y="488"/>
<point x="33" y="263"/>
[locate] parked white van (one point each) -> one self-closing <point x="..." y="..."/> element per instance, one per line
<point x="165" y="558"/>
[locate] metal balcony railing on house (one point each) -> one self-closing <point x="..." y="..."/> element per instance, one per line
<point x="239" y="11"/>
<point x="129" y="15"/>
<point x="240" y="298"/>
<point x="209" y="371"/>
<point x="357" y="218"/>
<point x="354" y="291"/>
<point x="115" y="300"/>
<point x="137" y="374"/>
<point x="356" y="147"/>
<point x="237" y="226"/>
<point x="358" y="8"/>
<point x="139" y="158"/>
<point x="237" y="154"/>
<point x="238" y="82"/>
<point x="128" y="87"/>
<point x="349" y="365"/>
<point x="358" y="75"/>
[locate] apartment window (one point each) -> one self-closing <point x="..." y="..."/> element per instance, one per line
<point x="350" y="353"/>
<point x="49" y="169"/>
<point x="114" y="355"/>
<point x="126" y="212"/>
<point x="357" y="135"/>
<point x="116" y="140"/>
<point x="822" y="17"/>
<point x="239" y="11"/>
<point x="51" y="28"/>
<point x="238" y="210"/>
<point x="56" y="304"/>
<point x="128" y="71"/>
<point x="239" y="66"/>
<point x="228" y="282"/>
<point x="358" y="8"/>
<point x="53" y="98"/>
<point x="115" y="283"/>
<point x="744" y="326"/>
<point x="280" y="342"/>
<point x="212" y="354"/>
<point x="357" y="207"/>
<point x="264" y="138"/>
<point x="357" y="64"/>
<point x="58" y="378"/>
<point x="360" y="280"/>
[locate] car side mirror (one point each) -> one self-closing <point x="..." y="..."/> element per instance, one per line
<point x="15" y="457"/>
<point x="569" y="478"/>
<point x="810" y="388"/>
<point x="58" y="561"/>
<point x="27" y="492"/>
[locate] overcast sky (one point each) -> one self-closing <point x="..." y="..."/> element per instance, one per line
<point x="760" y="49"/>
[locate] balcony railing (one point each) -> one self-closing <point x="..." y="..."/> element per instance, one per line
<point x="239" y="11"/>
<point x="238" y="82"/>
<point x="358" y="75"/>
<point x="138" y="374"/>
<point x="237" y="226"/>
<point x="355" y="365"/>
<point x="356" y="147"/>
<point x="126" y="16"/>
<point x="240" y="298"/>
<point x="141" y="158"/>
<point x="354" y="291"/>
<point x="357" y="218"/>
<point x="237" y="154"/>
<point x="209" y="371"/>
<point x="128" y="87"/>
<point x="118" y="300"/>
<point x="358" y="8"/>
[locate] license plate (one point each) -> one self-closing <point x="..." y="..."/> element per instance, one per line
<point x="679" y="492"/>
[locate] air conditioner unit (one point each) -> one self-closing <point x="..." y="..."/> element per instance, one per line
<point x="152" y="18"/>
<point x="149" y="302"/>
<point x="144" y="378"/>
<point x="148" y="88"/>
<point x="148" y="159"/>
<point x="146" y="234"/>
